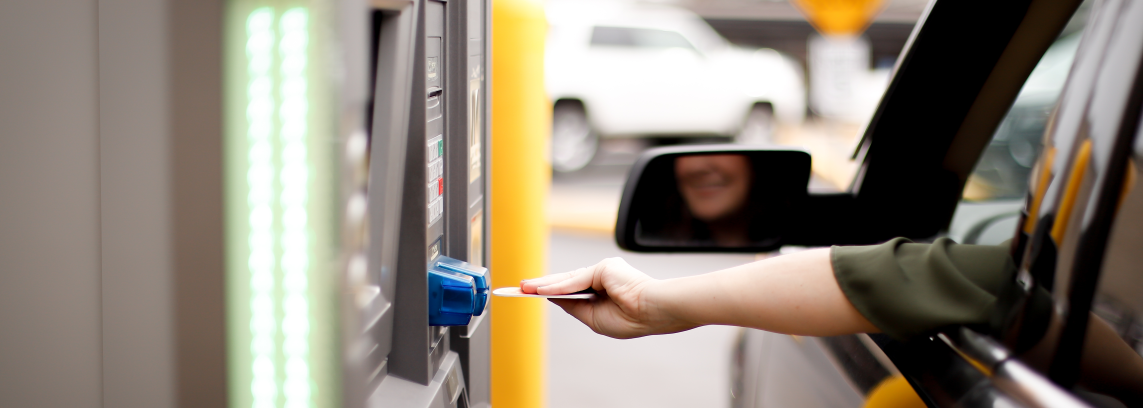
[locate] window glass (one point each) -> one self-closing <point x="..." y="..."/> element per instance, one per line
<point x="995" y="191"/>
<point x="612" y="36"/>
<point x="638" y="37"/>
<point x="1006" y="163"/>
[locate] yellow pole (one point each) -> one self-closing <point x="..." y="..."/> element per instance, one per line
<point x="521" y="116"/>
<point x="893" y="392"/>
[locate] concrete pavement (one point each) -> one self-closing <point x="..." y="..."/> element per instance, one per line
<point x="688" y="369"/>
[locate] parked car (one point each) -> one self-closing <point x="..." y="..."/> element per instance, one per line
<point x="624" y="70"/>
<point x="1077" y="238"/>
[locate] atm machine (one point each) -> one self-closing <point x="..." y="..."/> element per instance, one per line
<point x="357" y="210"/>
<point x="416" y="328"/>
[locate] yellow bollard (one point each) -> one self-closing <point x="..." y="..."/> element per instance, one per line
<point x="521" y="116"/>
<point x="893" y="392"/>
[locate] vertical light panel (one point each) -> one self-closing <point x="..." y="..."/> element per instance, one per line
<point x="294" y="180"/>
<point x="282" y="197"/>
<point x="260" y="197"/>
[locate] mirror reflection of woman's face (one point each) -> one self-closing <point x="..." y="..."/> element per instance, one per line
<point x="714" y="186"/>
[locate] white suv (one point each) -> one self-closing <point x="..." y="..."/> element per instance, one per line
<point x="623" y="70"/>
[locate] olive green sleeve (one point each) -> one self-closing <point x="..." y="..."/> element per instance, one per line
<point x="908" y="289"/>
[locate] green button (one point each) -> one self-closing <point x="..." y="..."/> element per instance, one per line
<point x="440" y="147"/>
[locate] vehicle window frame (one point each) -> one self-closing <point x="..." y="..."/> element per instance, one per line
<point x="1112" y="133"/>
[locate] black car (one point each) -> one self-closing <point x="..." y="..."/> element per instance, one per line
<point x="951" y="127"/>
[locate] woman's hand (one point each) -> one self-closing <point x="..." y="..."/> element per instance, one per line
<point x="624" y="305"/>
<point x="793" y="294"/>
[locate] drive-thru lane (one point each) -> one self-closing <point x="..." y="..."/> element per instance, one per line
<point x="689" y="369"/>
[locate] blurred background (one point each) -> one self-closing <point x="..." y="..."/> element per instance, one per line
<point x="625" y="76"/>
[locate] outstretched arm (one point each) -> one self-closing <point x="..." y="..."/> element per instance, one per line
<point x="794" y="294"/>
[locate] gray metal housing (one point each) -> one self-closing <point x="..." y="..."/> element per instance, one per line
<point x="430" y="82"/>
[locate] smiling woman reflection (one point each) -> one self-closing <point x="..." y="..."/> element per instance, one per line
<point x="706" y="200"/>
<point x="715" y="189"/>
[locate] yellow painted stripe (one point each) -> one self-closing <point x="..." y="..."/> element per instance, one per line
<point x="1075" y="180"/>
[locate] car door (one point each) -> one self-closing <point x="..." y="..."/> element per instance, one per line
<point x="1082" y="240"/>
<point x="856" y="361"/>
<point x="1072" y="338"/>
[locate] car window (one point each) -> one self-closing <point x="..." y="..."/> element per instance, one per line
<point x="1003" y="170"/>
<point x="1004" y="167"/>
<point x="995" y="191"/>
<point x="638" y="37"/>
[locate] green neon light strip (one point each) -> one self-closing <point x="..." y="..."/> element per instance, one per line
<point x="260" y="179"/>
<point x="295" y="179"/>
<point x="277" y="177"/>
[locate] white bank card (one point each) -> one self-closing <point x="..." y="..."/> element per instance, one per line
<point x="513" y="291"/>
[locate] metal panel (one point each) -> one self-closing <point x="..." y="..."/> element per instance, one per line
<point x="444" y="390"/>
<point x="409" y="357"/>
<point x="49" y="178"/>
<point x="422" y="145"/>
<point x="390" y="121"/>
<point x="135" y="213"/>
<point x="161" y="203"/>
<point x="467" y="171"/>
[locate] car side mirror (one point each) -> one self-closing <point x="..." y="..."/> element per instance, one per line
<point x="717" y="198"/>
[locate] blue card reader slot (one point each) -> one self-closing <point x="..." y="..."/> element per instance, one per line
<point x="452" y="298"/>
<point x="479" y="274"/>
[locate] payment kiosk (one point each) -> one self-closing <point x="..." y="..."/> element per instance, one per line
<point x="357" y="209"/>
<point x="417" y="321"/>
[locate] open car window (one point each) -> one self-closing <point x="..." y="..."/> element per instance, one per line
<point x="1003" y="169"/>
<point x="994" y="193"/>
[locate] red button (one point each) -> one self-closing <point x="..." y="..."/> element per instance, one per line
<point x="440" y="186"/>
